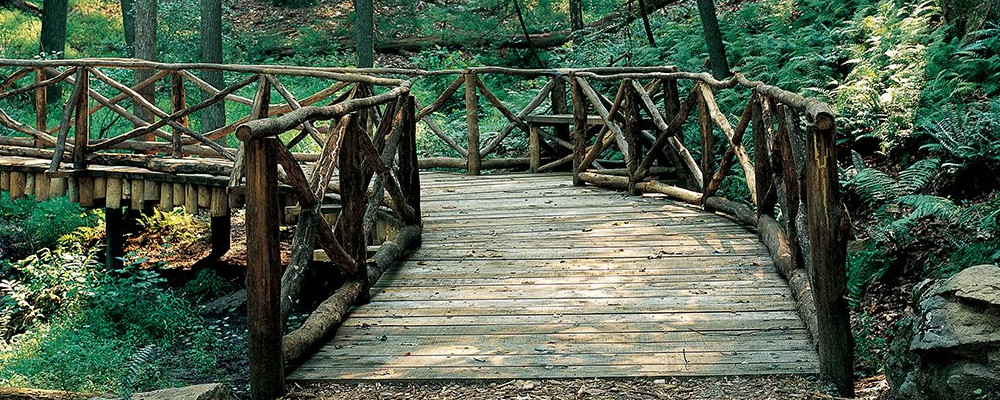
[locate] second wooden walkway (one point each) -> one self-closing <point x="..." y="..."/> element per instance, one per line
<point x="526" y="276"/>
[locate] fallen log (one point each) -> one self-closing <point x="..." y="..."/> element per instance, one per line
<point x="332" y="311"/>
<point x="40" y="394"/>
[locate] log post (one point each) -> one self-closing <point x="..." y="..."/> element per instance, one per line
<point x="579" y="129"/>
<point x="166" y="196"/>
<point x="707" y="136"/>
<point x="409" y="172"/>
<point x="29" y="184"/>
<point x="114" y="224"/>
<point x="85" y="188"/>
<point x="671" y="99"/>
<point x="41" y="187"/>
<point x="631" y="111"/>
<point x="263" y="271"/>
<point x="827" y="235"/>
<point x="57" y="187"/>
<point x="222" y="226"/>
<point x="762" y="126"/>
<point x="17" y="185"/>
<point x="353" y="188"/>
<point x="559" y="106"/>
<point x="81" y="137"/>
<point x="41" y="103"/>
<point x="534" y="148"/>
<point x="4" y="181"/>
<point x="178" y="102"/>
<point x="472" y="120"/>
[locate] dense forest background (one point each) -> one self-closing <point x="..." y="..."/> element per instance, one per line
<point x="915" y="85"/>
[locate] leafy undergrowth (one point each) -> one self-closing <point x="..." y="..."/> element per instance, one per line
<point x="69" y="323"/>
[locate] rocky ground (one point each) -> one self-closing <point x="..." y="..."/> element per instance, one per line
<point x="734" y="388"/>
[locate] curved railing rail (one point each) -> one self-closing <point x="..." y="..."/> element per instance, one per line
<point x="617" y="127"/>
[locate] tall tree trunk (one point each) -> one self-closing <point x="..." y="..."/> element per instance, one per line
<point x="576" y="14"/>
<point x="211" y="52"/>
<point x="364" y="32"/>
<point x="713" y="39"/>
<point x="145" y="48"/>
<point x="128" y="25"/>
<point x="645" y="23"/>
<point x="53" y="39"/>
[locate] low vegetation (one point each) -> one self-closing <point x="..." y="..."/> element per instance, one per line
<point x="917" y="99"/>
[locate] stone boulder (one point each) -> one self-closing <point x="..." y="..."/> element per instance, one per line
<point x="951" y="346"/>
<point x="208" y="391"/>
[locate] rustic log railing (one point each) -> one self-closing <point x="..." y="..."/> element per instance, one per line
<point x="623" y="140"/>
<point x="369" y="166"/>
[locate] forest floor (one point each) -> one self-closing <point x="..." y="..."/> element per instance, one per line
<point x="736" y="388"/>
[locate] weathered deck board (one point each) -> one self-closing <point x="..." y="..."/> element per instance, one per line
<point x="526" y="276"/>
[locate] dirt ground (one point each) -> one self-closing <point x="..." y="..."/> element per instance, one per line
<point x="722" y="388"/>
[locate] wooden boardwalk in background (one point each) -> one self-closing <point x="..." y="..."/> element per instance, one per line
<point x="526" y="276"/>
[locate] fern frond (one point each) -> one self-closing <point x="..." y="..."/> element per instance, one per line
<point x="930" y="206"/>
<point x="917" y="176"/>
<point x="874" y="187"/>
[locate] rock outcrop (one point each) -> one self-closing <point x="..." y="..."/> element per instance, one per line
<point x="951" y="349"/>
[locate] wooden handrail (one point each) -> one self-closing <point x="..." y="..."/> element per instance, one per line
<point x="791" y="166"/>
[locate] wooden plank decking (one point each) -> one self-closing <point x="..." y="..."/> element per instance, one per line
<point x="526" y="276"/>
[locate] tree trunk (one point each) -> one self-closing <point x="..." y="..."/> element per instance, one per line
<point x="645" y="23"/>
<point x="966" y="16"/>
<point x="364" y="32"/>
<point x="53" y="39"/>
<point x="713" y="39"/>
<point x="128" y="25"/>
<point x="145" y="49"/>
<point x="214" y="116"/>
<point x="576" y="14"/>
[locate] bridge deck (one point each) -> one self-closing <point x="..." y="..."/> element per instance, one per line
<point x="525" y="276"/>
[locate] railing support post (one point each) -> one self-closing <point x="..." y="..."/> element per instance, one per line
<point x="579" y="129"/>
<point x="559" y="106"/>
<point x="631" y="111"/>
<point x="827" y="235"/>
<point x="178" y="102"/>
<point x="409" y="172"/>
<point x="267" y="378"/>
<point x="353" y="198"/>
<point x="41" y="104"/>
<point x="472" y="119"/>
<point x="81" y="138"/>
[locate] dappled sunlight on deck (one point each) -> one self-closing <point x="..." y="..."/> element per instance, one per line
<point x="536" y="278"/>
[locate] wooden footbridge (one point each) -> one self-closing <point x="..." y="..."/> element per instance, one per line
<point x="611" y="254"/>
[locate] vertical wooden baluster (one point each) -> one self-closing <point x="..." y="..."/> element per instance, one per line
<point x="785" y="170"/>
<point x="534" y="148"/>
<point x="762" y="127"/>
<point x="631" y="112"/>
<point x="707" y="136"/>
<point x="828" y="228"/>
<point x="81" y="137"/>
<point x="560" y="106"/>
<point x="472" y="120"/>
<point x="353" y="188"/>
<point x="409" y="173"/>
<point x="41" y="103"/>
<point x="579" y="129"/>
<point x="179" y="103"/>
<point x="263" y="270"/>
<point x="4" y="181"/>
